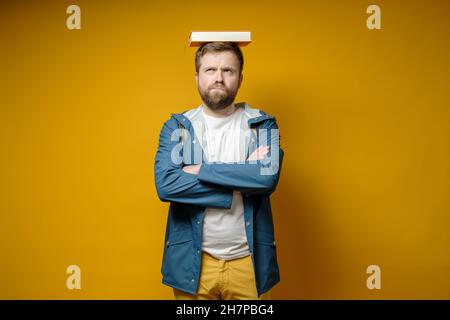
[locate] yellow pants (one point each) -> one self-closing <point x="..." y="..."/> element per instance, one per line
<point x="224" y="280"/>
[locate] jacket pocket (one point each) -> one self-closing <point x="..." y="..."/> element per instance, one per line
<point x="264" y="238"/>
<point x="265" y="257"/>
<point x="178" y="258"/>
<point x="173" y="243"/>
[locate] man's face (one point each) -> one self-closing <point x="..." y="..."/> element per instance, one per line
<point x="218" y="79"/>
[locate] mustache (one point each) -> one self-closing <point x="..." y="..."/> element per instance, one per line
<point x="218" y="87"/>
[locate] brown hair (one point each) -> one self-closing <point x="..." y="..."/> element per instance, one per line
<point x="218" y="47"/>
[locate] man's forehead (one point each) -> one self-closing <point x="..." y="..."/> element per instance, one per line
<point x="222" y="57"/>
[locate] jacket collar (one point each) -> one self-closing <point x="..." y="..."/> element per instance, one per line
<point x="256" y="119"/>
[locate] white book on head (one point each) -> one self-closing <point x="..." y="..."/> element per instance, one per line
<point x="197" y="38"/>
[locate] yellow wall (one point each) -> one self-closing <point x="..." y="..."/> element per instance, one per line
<point x="364" y="119"/>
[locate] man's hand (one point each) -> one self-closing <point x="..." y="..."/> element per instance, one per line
<point x="193" y="169"/>
<point x="259" y="153"/>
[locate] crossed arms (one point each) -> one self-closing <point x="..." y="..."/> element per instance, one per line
<point x="211" y="184"/>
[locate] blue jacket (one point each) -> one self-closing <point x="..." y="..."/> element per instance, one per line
<point x="190" y="194"/>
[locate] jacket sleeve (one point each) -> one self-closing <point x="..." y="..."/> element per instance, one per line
<point x="248" y="177"/>
<point x="175" y="185"/>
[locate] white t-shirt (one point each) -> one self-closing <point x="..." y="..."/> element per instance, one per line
<point x="224" y="235"/>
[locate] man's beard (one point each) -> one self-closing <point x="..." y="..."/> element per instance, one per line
<point x="218" y="99"/>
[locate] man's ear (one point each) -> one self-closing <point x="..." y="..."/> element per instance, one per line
<point x="196" y="76"/>
<point x="241" y="77"/>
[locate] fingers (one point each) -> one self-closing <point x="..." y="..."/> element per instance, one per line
<point x="259" y="153"/>
<point x="192" y="169"/>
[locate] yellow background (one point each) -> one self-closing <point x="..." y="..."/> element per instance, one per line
<point x="364" y="118"/>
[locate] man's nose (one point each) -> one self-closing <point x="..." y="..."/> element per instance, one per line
<point x="219" y="77"/>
